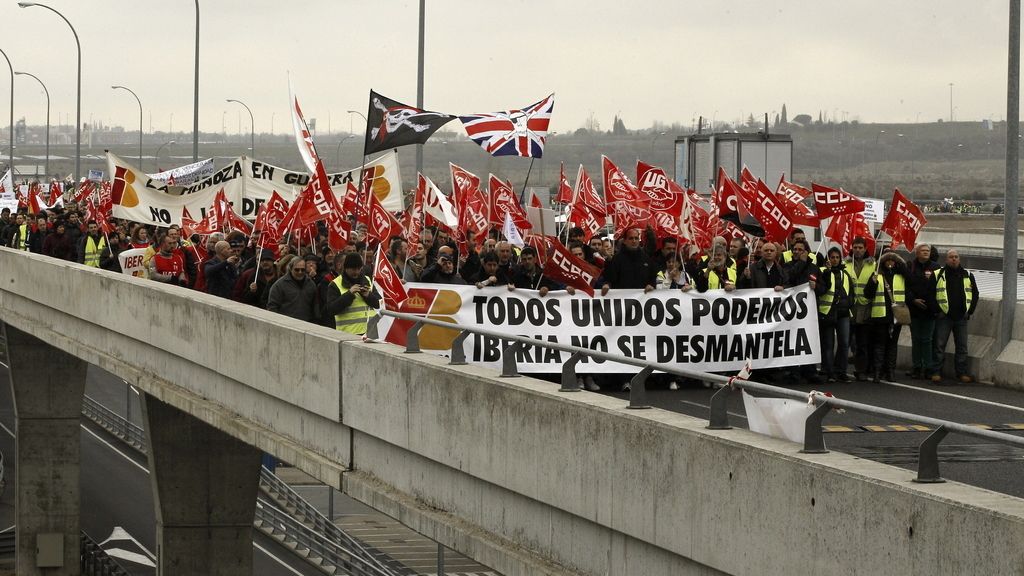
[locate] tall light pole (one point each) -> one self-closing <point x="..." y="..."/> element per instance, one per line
<point x="361" y="115"/>
<point x="419" y="80"/>
<point x="950" y="102"/>
<point x="195" y="113"/>
<point x="140" y="118"/>
<point x="1010" y="220"/>
<point x="158" y="151"/>
<point x="337" y="153"/>
<point x="78" y="98"/>
<point x="10" y="151"/>
<point x="252" y="127"/>
<point x="47" y="92"/>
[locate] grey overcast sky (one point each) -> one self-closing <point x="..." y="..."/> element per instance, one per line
<point x="647" y="60"/>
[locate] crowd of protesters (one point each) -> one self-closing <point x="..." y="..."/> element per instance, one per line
<point x="857" y="297"/>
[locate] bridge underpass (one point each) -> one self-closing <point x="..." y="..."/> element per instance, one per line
<point x="509" y="471"/>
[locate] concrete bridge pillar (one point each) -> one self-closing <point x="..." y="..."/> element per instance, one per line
<point x="47" y="385"/>
<point x="205" y="484"/>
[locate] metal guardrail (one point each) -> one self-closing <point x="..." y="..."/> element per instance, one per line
<point x="114" y="423"/>
<point x="96" y="562"/>
<point x="284" y="495"/>
<point x="814" y="440"/>
<point x="313" y="542"/>
<point x="314" y="547"/>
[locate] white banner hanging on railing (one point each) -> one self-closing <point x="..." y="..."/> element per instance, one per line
<point x="712" y="332"/>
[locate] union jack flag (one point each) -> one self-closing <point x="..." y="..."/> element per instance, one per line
<point x="514" y="132"/>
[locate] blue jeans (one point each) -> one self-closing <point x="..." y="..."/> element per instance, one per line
<point x="943" y="328"/>
<point x="921" y="329"/>
<point x="835" y="345"/>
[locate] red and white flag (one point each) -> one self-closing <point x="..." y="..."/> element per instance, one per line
<point x="437" y="205"/>
<point x="511" y="233"/>
<point x="56" y="193"/>
<point x="904" y="220"/>
<point x="561" y="266"/>
<point x="388" y="283"/>
<point x="829" y="202"/>
<point x="586" y="194"/>
<point x="303" y="138"/>
<point x="565" y="192"/>
<point x="628" y="207"/>
<point x="504" y="201"/>
<point x="472" y="203"/>
<point x="535" y="201"/>
<point x="770" y="212"/>
<point x="666" y="203"/>
<point x="382" y="225"/>
<point x="792" y="196"/>
<point x="414" y="219"/>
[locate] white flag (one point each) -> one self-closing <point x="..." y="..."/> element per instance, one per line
<point x="437" y="205"/>
<point x="8" y="193"/>
<point x="779" y="417"/>
<point x="303" y="139"/>
<point x="511" y="232"/>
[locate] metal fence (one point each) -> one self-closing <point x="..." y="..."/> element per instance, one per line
<point x="114" y="423"/>
<point x="814" y="440"/>
<point x="96" y="562"/>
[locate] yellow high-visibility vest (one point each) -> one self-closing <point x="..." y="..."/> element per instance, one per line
<point x="352" y="319"/>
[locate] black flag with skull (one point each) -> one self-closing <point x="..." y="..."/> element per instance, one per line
<point x="390" y="124"/>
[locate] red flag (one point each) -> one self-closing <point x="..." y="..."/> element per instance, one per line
<point x="388" y="283"/>
<point x="414" y="220"/>
<point x="830" y="202"/>
<point x="585" y="193"/>
<point x="35" y="203"/>
<point x="565" y="193"/>
<point x="471" y="204"/>
<point x="771" y="213"/>
<point x="904" y="220"/>
<point x="231" y="218"/>
<point x="860" y="229"/>
<point x="736" y="204"/>
<point x="792" y="196"/>
<point x="666" y="203"/>
<point x="581" y="217"/>
<point x="535" y="201"/>
<point x="382" y="225"/>
<point x="629" y="208"/>
<point x="503" y="200"/>
<point x="840" y="229"/>
<point x="268" y="220"/>
<point x="55" y="193"/>
<point x="561" y="266"/>
<point x="84" y="191"/>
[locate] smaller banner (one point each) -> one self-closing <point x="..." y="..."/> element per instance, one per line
<point x="186" y="175"/>
<point x="778" y="417"/>
<point x="133" y="262"/>
<point x="874" y="210"/>
<point x="96" y="175"/>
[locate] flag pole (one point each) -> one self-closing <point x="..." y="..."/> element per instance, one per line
<point x="525" y="182"/>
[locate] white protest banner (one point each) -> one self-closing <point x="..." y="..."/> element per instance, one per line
<point x="139" y="198"/>
<point x="8" y="194"/>
<point x="779" y="417"/>
<point x="713" y="332"/>
<point x="132" y="262"/>
<point x="185" y="175"/>
<point x="249" y="183"/>
<point x="874" y="210"/>
<point x="96" y="175"/>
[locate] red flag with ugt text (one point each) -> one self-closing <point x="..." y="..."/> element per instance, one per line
<point x="904" y="220"/>
<point x="792" y="196"/>
<point x="666" y="204"/>
<point x="628" y="207"/>
<point x="561" y="266"/>
<point x="829" y="202"/>
<point x="388" y="283"/>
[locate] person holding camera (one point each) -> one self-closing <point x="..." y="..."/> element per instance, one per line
<point x="350" y="297"/>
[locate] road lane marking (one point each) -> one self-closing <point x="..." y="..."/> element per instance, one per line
<point x="957" y="396"/>
<point x="8" y="430"/>
<point x="8" y="529"/>
<point x="111" y="446"/>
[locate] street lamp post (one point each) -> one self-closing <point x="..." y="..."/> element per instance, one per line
<point x="10" y="151"/>
<point x="195" y="113"/>
<point x="252" y="127"/>
<point x="47" y="92"/>
<point x="337" y="153"/>
<point x="1007" y="306"/>
<point x="361" y="115"/>
<point x="159" y="150"/>
<point x="78" y="98"/>
<point x="140" y="118"/>
<point x="419" y="80"/>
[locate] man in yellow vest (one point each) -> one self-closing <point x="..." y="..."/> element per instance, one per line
<point x="861" y="267"/>
<point x="887" y="288"/>
<point x="956" y="293"/>
<point x="351" y="297"/>
<point x="834" y="307"/>
<point x="91" y="245"/>
<point x="18" y="237"/>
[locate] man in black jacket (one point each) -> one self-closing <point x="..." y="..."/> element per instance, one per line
<point x="630" y="267"/>
<point x="921" y="300"/>
<point x="956" y="297"/>
<point x="766" y="272"/>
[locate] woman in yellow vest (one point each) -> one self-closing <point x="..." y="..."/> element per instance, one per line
<point x="351" y="297"/>
<point x="885" y="288"/>
<point x="834" y="314"/>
